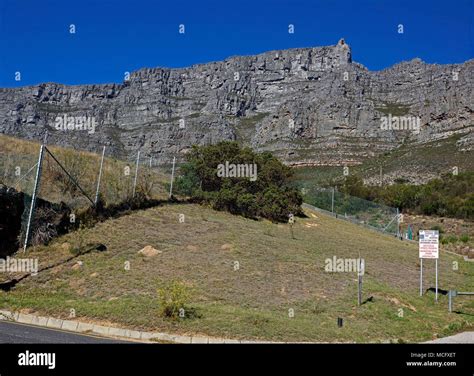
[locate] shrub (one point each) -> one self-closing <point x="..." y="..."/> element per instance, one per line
<point x="464" y="238"/>
<point x="450" y="195"/>
<point x="449" y="239"/>
<point x="452" y="239"/>
<point x="268" y="196"/>
<point x="173" y="298"/>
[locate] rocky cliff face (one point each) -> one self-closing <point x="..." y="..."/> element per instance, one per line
<point x="307" y="105"/>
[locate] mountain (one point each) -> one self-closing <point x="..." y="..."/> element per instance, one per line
<point x="309" y="106"/>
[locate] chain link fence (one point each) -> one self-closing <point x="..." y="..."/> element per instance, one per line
<point x="363" y="212"/>
<point x="71" y="180"/>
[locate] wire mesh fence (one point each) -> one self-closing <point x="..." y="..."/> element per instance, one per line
<point x="363" y="212"/>
<point x="71" y="180"/>
<point x="79" y="179"/>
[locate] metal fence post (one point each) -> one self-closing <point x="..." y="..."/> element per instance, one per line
<point x="332" y="201"/>
<point x="421" y="277"/>
<point x="172" y="177"/>
<point x="436" y="266"/>
<point x="100" y="176"/>
<point x="136" y="175"/>
<point x="359" y="284"/>
<point x="33" y="197"/>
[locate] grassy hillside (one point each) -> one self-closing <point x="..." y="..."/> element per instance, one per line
<point x="276" y="273"/>
<point x="420" y="162"/>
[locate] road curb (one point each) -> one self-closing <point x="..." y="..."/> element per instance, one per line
<point x="76" y="326"/>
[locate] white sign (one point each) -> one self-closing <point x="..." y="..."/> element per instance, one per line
<point x="429" y="244"/>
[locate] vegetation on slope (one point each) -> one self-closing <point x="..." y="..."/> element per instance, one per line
<point x="266" y="194"/>
<point x="20" y="156"/>
<point x="245" y="279"/>
<point x="450" y="195"/>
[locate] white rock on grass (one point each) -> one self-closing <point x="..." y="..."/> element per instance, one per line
<point x="149" y="251"/>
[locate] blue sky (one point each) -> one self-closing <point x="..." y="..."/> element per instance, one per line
<point x="115" y="36"/>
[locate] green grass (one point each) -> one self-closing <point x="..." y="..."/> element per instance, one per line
<point x="436" y="157"/>
<point x="276" y="274"/>
<point x="394" y="109"/>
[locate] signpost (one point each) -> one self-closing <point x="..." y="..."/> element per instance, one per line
<point x="429" y="249"/>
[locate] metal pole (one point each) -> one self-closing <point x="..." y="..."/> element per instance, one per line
<point x="436" y="266"/>
<point x="398" y="224"/>
<point x="100" y="176"/>
<point x="332" y="201"/>
<point x="172" y="176"/>
<point x="136" y="174"/>
<point x="33" y="197"/>
<point x="150" y="160"/>
<point x="359" y="285"/>
<point x="421" y="277"/>
<point x="450" y="304"/>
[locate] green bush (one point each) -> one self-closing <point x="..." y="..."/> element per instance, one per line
<point x="449" y="239"/>
<point x="268" y="196"/>
<point x="173" y="299"/>
<point x="450" y="195"/>
<point x="464" y="238"/>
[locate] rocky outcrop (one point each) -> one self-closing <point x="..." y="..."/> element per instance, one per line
<point x="310" y="106"/>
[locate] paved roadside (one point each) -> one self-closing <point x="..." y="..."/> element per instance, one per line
<point x="22" y="333"/>
<point x="465" y="337"/>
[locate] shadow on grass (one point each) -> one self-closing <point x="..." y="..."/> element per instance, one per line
<point x="8" y="285"/>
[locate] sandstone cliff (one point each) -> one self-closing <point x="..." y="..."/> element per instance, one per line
<point x="307" y="105"/>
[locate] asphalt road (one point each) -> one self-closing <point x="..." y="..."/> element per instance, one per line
<point x="465" y="337"/>
<point x="22" y="333"/>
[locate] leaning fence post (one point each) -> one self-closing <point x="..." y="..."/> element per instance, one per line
<point x="136" y="174"/>
<point x="332" y="201"/>
<point x="172" y="177"/>
<point x="100" y="176"/>
<point x="33" y="197"/>
<point x="398" y="224"/>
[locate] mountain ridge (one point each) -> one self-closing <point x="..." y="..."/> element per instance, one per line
<point x="309" y="106"/>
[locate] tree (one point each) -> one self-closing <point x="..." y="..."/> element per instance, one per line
<point x="265" y="194"/>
